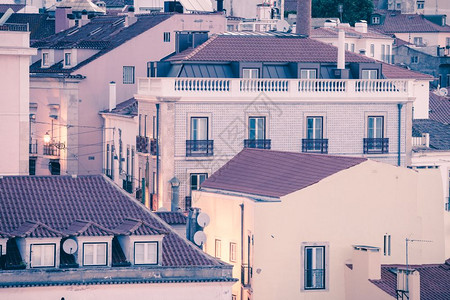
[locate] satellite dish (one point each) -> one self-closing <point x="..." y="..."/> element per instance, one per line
<point x="70" y="246"/>
<point x="443" y="92"/>
<point x="199" y="238"/>
<point x="203" y="219"/>
<point x="283" y="25"/>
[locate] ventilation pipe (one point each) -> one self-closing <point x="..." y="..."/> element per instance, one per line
<point x="112" y="95"/>
<point x="130" y="19"/>
<point x="399" y="156"/>
<point x="303" y="17"/>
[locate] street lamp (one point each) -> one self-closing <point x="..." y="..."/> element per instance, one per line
<point x="47" y="138"/>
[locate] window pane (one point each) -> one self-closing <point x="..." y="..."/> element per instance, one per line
<point x="261" y="130"/>
<point x="252" y="129"/>
<point x="35" y="255"/>
<point x="101" y="254"/>
<point x="379" y="127"/>
<point x="370" y="127"/>
<point x="88" y="254"/>
<point x="48" y="251"/>
<point x="139" y="253"/>
<point x="151" y="253"/>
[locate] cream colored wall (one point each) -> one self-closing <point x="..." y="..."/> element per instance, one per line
<point x="428" y="38"/>
<point x="165" y="291"/>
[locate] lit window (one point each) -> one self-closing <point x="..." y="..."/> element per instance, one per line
<point x="128" y="75"/>
<point x="94" y="254"/>
<point x="233" y="252"/>
<point x="145" y="253"/>
<point x="250" y="73"/>
<point x="369" y="74"/>
<point x="67" y="57"/>
<point x="166" y="37"/>
<point x="314" y="267"/>
<point x="42" y="255"/>
<point x="218" y="249"/>
<point x="45" y="59"/>
<point x="308" y="73"/>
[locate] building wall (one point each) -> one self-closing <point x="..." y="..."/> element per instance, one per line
<point x="14" y="109"/>
<point x="175" y="291"/>
<point x="357" y="206"/>
<point x="428" y="38"/>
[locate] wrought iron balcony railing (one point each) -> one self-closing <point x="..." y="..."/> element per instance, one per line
<point x="199" y="148"/>
<point x="314" y="279"/>
<point x="246" y="275"/>
<point x="376" y="146"/>
<point x="142" y="144"/>
<point x="259" y="144"/>
<point x="33" y="147"/>
<point x="127" y="184"/>
<point x="187" y="203"/>
<point x="315" y="145"/>
<point x="153" y="146"/>
<point x="51" y="150"/>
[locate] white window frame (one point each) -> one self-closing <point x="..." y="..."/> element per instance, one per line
<point x="200" y="128"/>
<point x="199" y="176"/>
<point x="372" y="50"/>
<point x="315" y="123"/>
<point x="218" y="248"/>
<point x="372" y="74"/>
<point x="414" y="59"/>
<point x="146" y="259"/>
<point x="352" y="47"/>
<point x="375" y="20"/>
<point x="257" y="128"/>
<point x="128" y="75"/>
<point x="307" y="245"/>
<point x="308" y="73"/>
<point x="233" y="252"/>
<point x="375" y="130"/>
<point x="42" y="257"/>
<point x="420" y="4"/>
<point x="166" y="37"/>
<point x="94" y="254"/>
<point x="250" y="73"/>
<point x="45" y="58"/>
<point x="418" y="41"/>
<point x="67" y="59"/>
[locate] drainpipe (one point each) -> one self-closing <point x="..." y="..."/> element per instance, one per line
<point x="400" y="105"/>
<point x="242" y="244"/>
<point x="157" y="152"/>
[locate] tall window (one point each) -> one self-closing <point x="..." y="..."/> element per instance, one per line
<point x="372" y="50"/>
<point x="233" y="248"/>
<point x="250" y="73"/>
<point x="383" y="52"/>
<point x="369" y="74"/>
<point x="420" y="4"/>
<point x="42" y="255"/>
<point x="314" y="127"/>
<point x="418" y="41"/>
<point x="387" y="245"/>
<point x="257" y="128"/>
<point x="375" y="127"/>
<point x="146" y="253"/>
<point x="314" y="267"/>
<point x="67" y="58"/>
<point x="128" y="75"/>
<point x="199" y="128"/>
<point x="308" y="73"/>
<point x="352" y="47"/>
<point x="196" y="180"/>
<point x="45" y="59"/>
<point x="218" y="249"/>
<point x="94" y="254"/>
<point x="166" y="37"/>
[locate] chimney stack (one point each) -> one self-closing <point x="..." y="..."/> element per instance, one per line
<point x="62" y="21"/>
<point x="341" y="50"/>
<point x="112" y="95"/>
<point x="84" y="18"/>
<point x="303" y="17"/>
<point x="367" y="262"/>
<point x="130" y="19"/>
<point x="408" y="282"/>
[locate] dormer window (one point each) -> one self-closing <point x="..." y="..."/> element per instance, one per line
<point x="369" y="74"/>
<point x="94" y="254"/>
<point x="67" y="59"/>
<point x="42" y="255"/>
<point x="146" y="253"/>
<point x="420" y="4"/>
<point x="375" y="20"/>
<point x="45" y="59"/>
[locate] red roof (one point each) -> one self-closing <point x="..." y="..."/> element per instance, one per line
<point x="396" y="72"/>
<point x="276" y="173"/>
<point x="395" y="22"/>
<point x="266" y="48"/>
<point x="440" y="108"/>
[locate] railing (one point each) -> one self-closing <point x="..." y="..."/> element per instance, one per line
<point x="421" y="141"/>
<point x="33" y="147"/>
<point x="315" y="145"/>
<point x="153" y="146"/>
<point x="154" y="202"/>
<point x="259" y="144"/>
<point x="14" y="27"/>
<point x="199" y="148"/>
<point x="127" y="184"/>
<point x="187" y="203"/>
<point x="246" y="275"/>
<point x="376" y="146"/>
<point x="314" y="279"/>
<point x="51" y="150"/>
<point x="142" y="144"/>
<point x="297" y="89"/>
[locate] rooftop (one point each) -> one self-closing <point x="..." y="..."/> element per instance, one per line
<point x="40" y="25"/>
<point x="275" y="173"/>
<point x="350" y="32"/>
<point x="126" y="108"/>
<point x="395" y="22"/>
<point x="439" y="108"/>
<point x="439" y="133"/>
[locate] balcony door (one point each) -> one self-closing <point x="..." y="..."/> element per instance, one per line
<point x="314" y="128"/>
<point x="257" y="128"/>
<point x="199" y="128"/>
<point x="375" y="128"/>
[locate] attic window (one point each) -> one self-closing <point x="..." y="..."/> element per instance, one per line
<point x="146" y="253"/>
<point x="67" y="59"/>
<point x="94" y="254"/>
<point x="45" y="59"/>
<point x="375" y="20"/>
<point x="42" y="255"/>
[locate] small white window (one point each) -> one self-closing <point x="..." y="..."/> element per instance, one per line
<point x="346" y="46"/>
<point x="352" y="47"/>
<point x="372" y="50"/>
<point x="146" y="253"/>
<point x="250" y="73"/>
<point x="387" y="245"/>
<point x="67" y="59"/>
<point x="42" y="255"/>
<point x="308" y="73"/>
<point x="233" y="248"/>
<point x="45" y="59"/>
<point x="369" y="74"/>
<point x="375" y="20"/>
<point x="418" y="41"/>
<point x="166" y="37"/>
<point x="94" y="254"/>
<point x="218" y="249"/>
<point x="420" y="4"/>
<point x="128" y="75"/>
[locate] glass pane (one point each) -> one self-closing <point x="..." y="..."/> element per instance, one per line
<point x="319" y="258"/>
<point x="202" y="178"/>
<point x="203" y="129"/>
<point x="88" y="254"/>
<point x="252" y="128"/>
<point x="194" y="129"/>
<point x="48" y="251"/>
<point x="379" y="127"/>
<point x="101" y="254"/>
<point x="151" y="257"/>
<point x="261" y="129"/>
<point x="318" y="129"/>
<point x="194" y="182"/>
<point x="370" y="128"/>
<point x="139" y="253"/>
<point x="35" y="255"/>
<point x="310" y="130"/>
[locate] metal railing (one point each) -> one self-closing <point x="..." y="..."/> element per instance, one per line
<point x="127" y="184"/>
<point x="376" y="145"/>
<point x="259" y="144"/>
<point x="142" y="144"/>
<point x="51" y="150"/>
<point x="153" y="146"/>
<point x="14" y="27"/>
<point x="315" y="145"/>
<point x="314" y="279"/>
<point x="199" y="148"/>
<point x="246" y="275"/>
<point x="187" y="203"/>
<point x="33" y="147"/>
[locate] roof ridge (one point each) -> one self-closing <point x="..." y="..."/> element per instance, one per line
<point x="196" y="50"/>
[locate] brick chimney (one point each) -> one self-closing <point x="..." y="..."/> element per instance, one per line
<point x="62" y="21"/>
<point x="303" y="17"/>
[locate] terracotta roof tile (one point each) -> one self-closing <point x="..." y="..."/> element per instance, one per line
<point x="349" y="33"/>
<point x="276" y="173"/>
<point x="137" y="227"/>
<point x="35" y="230"/>
<point x="440" y="108"/>
<point x="397" y="72"/>
<point x="395" y="22"/>
<point x="172" y="217"/>
<point x="87" y="228"/>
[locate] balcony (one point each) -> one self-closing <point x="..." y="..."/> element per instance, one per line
<point x="187" y="203"/>
<point x="314" y="279"/>
<point x="33" y="147"/>
<point x="142" y="144"/>
<point x="258" y="144"/>
<point x="51" y="150"/>
<point x="199" y="148"/>
<point x="295" y="89"/>
<point x="153" y="147"/>
<point x="127" y="184"/>
<point x="376" y="146"/>
<point x="246" y="275"/>
<point x="315" y="146"/>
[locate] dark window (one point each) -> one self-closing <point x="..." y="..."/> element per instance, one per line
<point x="166" y="37"/>
<point x="314" y="267"/>
<point x="197" y="180"/>
<point x="128" y="75"/>
<point x="55" y="167"/>
<point x="32" y="166"/>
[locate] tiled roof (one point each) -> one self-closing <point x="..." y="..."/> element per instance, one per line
<point x="35" y="230"/>
<point x="395" y="22"/>
<point x="14" y="7"/>
<point x="137" y="227"/>
<point x="58" y="201"/>
<point x="40" y="25"/>
<point x="87" y="228"/>
<point x="126" y="108"/>
<point x="172" y="217"/>
<point x="276" y="173"/>
<point x="102" y="33"/>
<point x="439" y="108"/>
<point x="265" y="47"/>
<point x="439" y="133"/>
<point x="4" y="235"/>
<point x="349" y="33"/>
<point x="397" y="72"/>
<point x="78" y="6"/>
<point x="434" y="280"/>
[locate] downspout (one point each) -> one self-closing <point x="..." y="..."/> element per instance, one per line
<point x="242" y="245"/>
<point x="399" y="159"/>
<point x="157" y="151"/>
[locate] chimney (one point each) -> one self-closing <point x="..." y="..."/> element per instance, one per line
<point x="130" y="19"/>
<point x="341" y="50"/>
<point x="303" y="17"/>
<point x="361" y="26"/>
<point x="112" y="95"/>
<point x="408" y="282"/>
<point x="62" y="21"/>
<point x="367" y="262"/>
<point x="84" y="18"/>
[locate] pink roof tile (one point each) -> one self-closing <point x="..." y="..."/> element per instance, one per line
<point x="395" y="22"/>
<point x="276" y="173"/>
<point x="397" y="72"/>
<point x="440" y="108"/>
